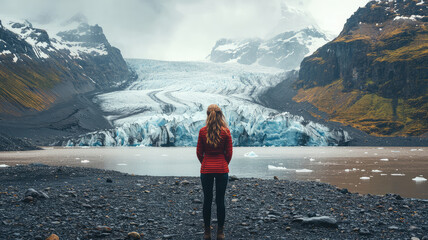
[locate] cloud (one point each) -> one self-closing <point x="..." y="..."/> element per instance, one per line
<point x="182" y="29"/>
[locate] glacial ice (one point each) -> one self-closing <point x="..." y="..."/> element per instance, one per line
<point x="3" y="165"/>
<point x="271" y="167"/>
<point x="166" y="106"/>
<point x="251" y="154"/>
<point x="419" y="179"/>
<point x="365" y="178"/>
<point x="304" y="170"/>
<point x="84" y="161"/>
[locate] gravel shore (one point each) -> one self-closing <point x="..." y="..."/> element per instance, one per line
<point x="85" y="203"/>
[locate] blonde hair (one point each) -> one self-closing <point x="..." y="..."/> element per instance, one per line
<point x="215" y="122"/>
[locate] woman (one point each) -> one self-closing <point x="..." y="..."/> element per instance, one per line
<point x="214" y="151"/>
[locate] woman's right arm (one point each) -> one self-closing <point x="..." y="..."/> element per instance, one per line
<point x="200" y="148"/>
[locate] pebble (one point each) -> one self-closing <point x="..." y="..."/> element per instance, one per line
<point x="109" y="180"/>
<point x="197" y="201"/>
<point x="134" y="235"/>
<point x="364" y="231"/>
<point x="233" y="178"/>
<point x="53" y="236"/>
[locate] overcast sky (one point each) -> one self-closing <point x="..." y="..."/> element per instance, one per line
<point x="180" y="29"/>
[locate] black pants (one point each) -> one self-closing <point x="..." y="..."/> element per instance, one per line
<point x="207" y="180"/>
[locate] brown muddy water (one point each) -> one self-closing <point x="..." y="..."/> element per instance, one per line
<point x="375" y="170"/>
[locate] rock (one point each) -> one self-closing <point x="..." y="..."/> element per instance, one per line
<point x="233" y="178"/>
<point x="425" y="237"/>
<point x="323" y="221"/>
<point x="414" y="238"/>
<point x="38" y="237"/>
<point x="344" y="190"/>
<point x="28" y="199"/>
<point x="109" y="180"/>
<point x="398" y="197"/>
<point x="288" y="229"/>
<point x="196" y="200"/>
<point x="275" y="178"/>
<point x="184" y="182"/>
<point x="364" y="231"/>
<point x="43" y="195"/>
<point x="393" y="227"/>
<point x="31" y="192"/>
<point x="53" y="236"/>
<point x="86" y="205"/>
<point x="134" y="235"/>
<point x="168" y="236"/>
<point x="104" y="229"/>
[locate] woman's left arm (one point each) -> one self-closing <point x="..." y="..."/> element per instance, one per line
<point x="228" y="147"/>
<point x="200" y="148"/>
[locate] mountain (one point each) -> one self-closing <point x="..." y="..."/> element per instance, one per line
<point x="373" y="76"/>
<point x="38" y="71"/>
<point x="285" y="50"/>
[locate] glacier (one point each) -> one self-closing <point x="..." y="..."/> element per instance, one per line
<point x="166" y="106"/>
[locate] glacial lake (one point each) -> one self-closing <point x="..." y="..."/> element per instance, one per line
<point x="374" y="170"/>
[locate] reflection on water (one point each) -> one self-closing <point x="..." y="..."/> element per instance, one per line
<point x="360" y="169"/>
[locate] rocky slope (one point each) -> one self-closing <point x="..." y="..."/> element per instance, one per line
<point x="285" y="50"/>
<point x="373" y="76"/>
<point x="38" y="71"/>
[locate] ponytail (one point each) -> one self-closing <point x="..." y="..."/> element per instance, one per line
<point x="215" y="122"/>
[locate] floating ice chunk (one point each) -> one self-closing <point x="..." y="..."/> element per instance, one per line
<point x="366" y="153"/>
<point x="384" y="159"/>
<point x="84" y="147"/>
<point x="380" y="148"/>
<point x="413" y="149"/>
<point x="365" y="178"/>
<point x="84" y="161"/>
<point x="271" y="167"/>
<point x="383" y="174"/>
<point x="347" y="170"/>
<point x="395" y="151"/>
<point x="77" y="158"/>
<point x="363" y="170"/>
<point x="376" y="170"/>
<point x="420" y="149"/>
<point x="311" y="159"/>
<point x="164" y="155"/>
<point x="3" y="165"/>
<point x="303" y="170"/>
<point x="419" y="179"/>
<point x="251" y="154"/>
<point x="122" y="164"/>
<point x="398" y="174"/>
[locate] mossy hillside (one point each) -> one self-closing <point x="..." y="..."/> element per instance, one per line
<point x="28" y="86"/>
<point x="369" y="112"/>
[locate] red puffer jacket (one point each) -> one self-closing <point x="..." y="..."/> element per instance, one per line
<point x="214" y="160"/>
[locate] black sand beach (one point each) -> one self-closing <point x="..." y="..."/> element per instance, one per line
<point x="85" y="203"/>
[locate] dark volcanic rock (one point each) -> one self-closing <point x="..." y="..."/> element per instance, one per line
<point x="164" y="210"/>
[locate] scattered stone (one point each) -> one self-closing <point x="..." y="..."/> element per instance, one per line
<point x="104" y="229"/>
<point x="344" y="190"/>
<point x="364" y="231"/>
<point x="414" y="238"/>
<point x="275" y="178"/>
<point x="323" y="221"/>
<point x="28" y="199"/>
<point x="196" y="200"/>
<point x="31" y="192"/>
<point x="134" y="235"/>
<point x="393" y="227"/>
<point x="168" y="236"/>
<point x="53" y="236"/>
<point x="184" y="182"/>
<point x="109" y="180"/>
<point x="288" y="228"/>
<point x="233" y="178"/>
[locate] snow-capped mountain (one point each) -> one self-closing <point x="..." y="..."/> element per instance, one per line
<point x="285" y="50"/>
<point x="166" y="106"/>
<point x="39" y="69"/>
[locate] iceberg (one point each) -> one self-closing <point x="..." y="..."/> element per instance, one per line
<point x="166" y="106"/>
<point x="419" y="179"/>
<point x="251" y="154"/>
<point x="271" y="167"/>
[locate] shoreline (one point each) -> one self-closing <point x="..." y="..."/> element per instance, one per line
<point x="89" y="203"/>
